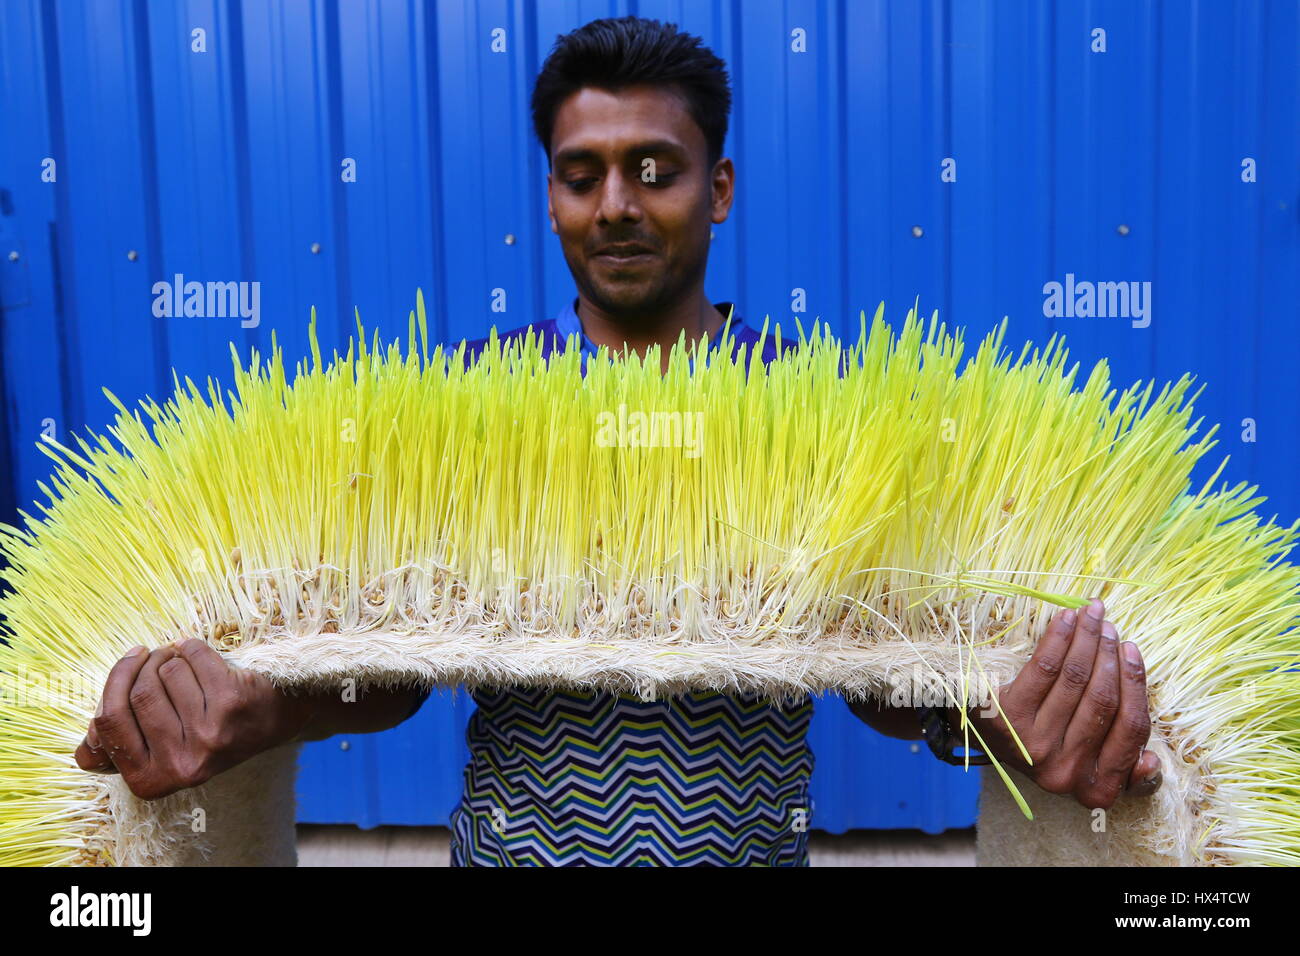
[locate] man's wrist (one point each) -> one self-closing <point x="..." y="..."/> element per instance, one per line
<point x="945" y="730"/>
<point x="954" y="715"/>
<point x="297" y="714"/>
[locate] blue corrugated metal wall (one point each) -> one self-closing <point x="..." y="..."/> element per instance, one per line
<point x="1122" y="165"/>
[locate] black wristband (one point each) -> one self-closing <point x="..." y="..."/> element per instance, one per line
<point x="938" y="733"/>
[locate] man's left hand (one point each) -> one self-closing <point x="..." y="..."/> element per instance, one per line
<point x="1080" y="708"/>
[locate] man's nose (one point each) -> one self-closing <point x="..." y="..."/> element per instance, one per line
<point x="618" y="200"/>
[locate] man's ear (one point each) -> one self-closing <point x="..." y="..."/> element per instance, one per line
<point x="550" y="210"/>
<point x="724" y="189"/>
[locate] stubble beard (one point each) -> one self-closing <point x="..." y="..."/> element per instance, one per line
<point x="632" y="306"/>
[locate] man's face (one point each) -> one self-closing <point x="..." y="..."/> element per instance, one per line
<point x="630" y="169"/>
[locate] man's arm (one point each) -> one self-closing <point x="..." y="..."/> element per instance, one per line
<point x="178" y="716"/>
<point x="902" y="723"/>
<point x="329" y="714"/>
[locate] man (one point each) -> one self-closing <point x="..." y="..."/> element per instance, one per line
<point x="633" y="115"/>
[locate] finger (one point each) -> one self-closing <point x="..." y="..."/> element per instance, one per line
<point x="93" y="761"/>
<point x="1091" y="724"/>
<point x="1132" y="727"/>
<point x="185" y="694"/>
<point x="209" y="667"/>
<point x="1036" y="678"/>
<point x="115" y="724"/>
<point x="1076" y="670"/>
<point x="1147" y="776"/>
<point x="1092" y="718"/>
<point x="153" y="709"/>
<point x="91" y="756"/>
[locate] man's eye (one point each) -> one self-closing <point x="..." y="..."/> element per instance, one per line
<point x="663" y="179"/>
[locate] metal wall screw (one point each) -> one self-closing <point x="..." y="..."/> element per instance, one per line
<point x="1122" y="229"/>
<point x="13" y="256"/>
<point x="133" y="255"/>
<point x="344" y="745"/>
<point x="917" y="232"/>
<point x="510" y="238"/>
<point x="710" y="233"/>
<point x="315" y="248"/>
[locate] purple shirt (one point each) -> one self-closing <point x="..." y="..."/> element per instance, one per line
<point x="555" y="332"/>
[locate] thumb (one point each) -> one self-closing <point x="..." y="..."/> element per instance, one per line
<point x="91" y="756"/>
<point x="1146" y="776"/>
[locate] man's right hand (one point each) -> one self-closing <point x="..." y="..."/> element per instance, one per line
<point x="178" y="716"/>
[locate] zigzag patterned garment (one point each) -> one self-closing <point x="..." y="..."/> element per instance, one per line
<point x="564" y="779"/>
<point x="571" y="779"/>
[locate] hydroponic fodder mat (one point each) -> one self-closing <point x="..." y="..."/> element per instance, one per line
<point x="846" y="518"/>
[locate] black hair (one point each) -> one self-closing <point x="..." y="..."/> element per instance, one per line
<point x="611" y="54"/>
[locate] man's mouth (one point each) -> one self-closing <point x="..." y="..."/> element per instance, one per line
<point x="626" y="259"/>
<point x="624" y="251"/>
<point x="630" y="255"/>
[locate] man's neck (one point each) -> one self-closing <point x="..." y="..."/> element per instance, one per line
<point x="695" y="314"/>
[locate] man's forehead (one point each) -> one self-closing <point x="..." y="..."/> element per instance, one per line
<point x="594" y="123"/>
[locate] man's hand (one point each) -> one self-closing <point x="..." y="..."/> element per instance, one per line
<point x="1080" y="708"/>
<point x="178" y="716"/>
